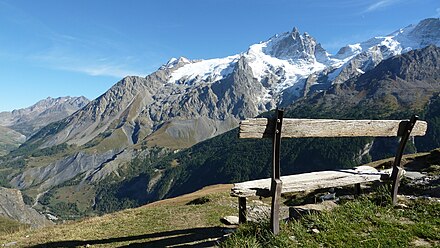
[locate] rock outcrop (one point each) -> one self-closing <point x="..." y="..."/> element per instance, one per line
<point x="13" y="207"/>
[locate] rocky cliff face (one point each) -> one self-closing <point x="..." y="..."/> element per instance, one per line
<point x="13" y="207"/>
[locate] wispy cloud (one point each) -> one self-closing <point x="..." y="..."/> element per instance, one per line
<point x="102" y="70"/>
<point x="438" y="12"/>
<point x="93" y="55"/>
<point x="61" y="58"/>
<point x="380" y="5"/>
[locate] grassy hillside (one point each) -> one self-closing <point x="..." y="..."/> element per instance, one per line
<point x="8" y="226"/>
<point x="365" y="222"/>
<point x="169" y="222"/>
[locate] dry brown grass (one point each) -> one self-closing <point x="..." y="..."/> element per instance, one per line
<point x="167" y="222"/>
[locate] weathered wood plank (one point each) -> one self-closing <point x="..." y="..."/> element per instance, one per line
<point x="309" y="181"/>
<point x="302" y="128"/>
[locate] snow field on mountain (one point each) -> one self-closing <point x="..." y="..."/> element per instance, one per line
<point x="207" y="70"/>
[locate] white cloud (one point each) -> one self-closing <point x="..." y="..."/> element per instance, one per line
<point x="90" y="66"/>
<point x="102" y="70"/>
<point x="438" y="12"/>
<point x="63" y="51"/>
<point x="79" y="54"/>
<point x="379" y="5"/>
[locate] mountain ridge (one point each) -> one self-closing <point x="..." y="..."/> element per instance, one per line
<point x="28" y="120"/>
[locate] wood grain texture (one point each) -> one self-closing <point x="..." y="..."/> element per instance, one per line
<point x="303" y="128"/>
<point x="309" y="181"/>
<point x="277" y="186"/>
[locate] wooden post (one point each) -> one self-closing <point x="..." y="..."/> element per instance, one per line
<point x="276" y="184"/>
<point x="242" y="210"/>
<point x="404" y="131"/>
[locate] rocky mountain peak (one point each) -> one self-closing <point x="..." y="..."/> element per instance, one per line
<point x="175" y="63"/>
<point x="364" y="56"/>
<point x="427" y="31"/>
<point x="293" y="46"/>
<point x="49" y="102"/>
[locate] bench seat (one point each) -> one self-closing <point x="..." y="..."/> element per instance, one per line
<point x="310" y="181"/>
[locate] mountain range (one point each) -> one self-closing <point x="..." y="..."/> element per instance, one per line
<point x="130" y="136"/>
<point x="20" y="124"/>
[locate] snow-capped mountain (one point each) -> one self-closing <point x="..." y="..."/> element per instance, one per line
<point x="197" y="99"/>
<point x="364" y="56"/>
<point x="187" y="101"/>
<point x="290" y="64"/>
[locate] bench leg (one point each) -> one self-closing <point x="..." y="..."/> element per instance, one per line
<point x="275" y="210"/>
<point x="357" y="189"/>
<point x="242" y="210"/>
<point x="397" y="172"/>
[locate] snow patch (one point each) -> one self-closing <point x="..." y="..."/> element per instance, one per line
<point x="208" y="70"/>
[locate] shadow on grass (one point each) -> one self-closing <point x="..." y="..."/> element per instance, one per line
<point x="195" y="237"/>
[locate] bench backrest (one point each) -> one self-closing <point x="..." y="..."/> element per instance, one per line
<point x="303" y="128"/>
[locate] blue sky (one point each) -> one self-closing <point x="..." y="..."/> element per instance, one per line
<point x="82" y="47"/>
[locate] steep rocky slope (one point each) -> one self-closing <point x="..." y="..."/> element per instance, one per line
<point x="13" y="207"/>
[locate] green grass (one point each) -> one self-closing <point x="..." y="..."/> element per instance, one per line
<point x="359" y="223"/>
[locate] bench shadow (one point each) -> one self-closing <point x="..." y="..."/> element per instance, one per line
<point x="194" y="237"/>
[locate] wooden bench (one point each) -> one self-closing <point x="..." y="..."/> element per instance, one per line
<point x="278" y="128"/>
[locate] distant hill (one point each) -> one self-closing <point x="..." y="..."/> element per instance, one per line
<point x="9" y="140"/>
<point x="29" y="120"/>
<point x="17" y="125"/>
